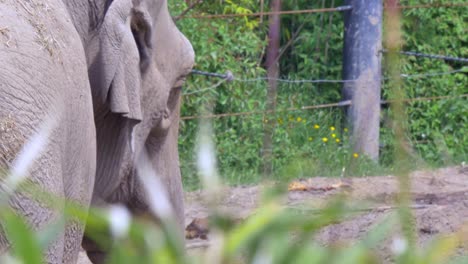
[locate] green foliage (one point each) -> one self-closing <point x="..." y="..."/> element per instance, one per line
<point x="438" y="128"/>
<point x="25" y="242"/>
<point x="312" y="49"/>
<point x="223" y="45"/>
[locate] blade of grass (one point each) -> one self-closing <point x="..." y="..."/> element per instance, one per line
<point x="24" y="243"/>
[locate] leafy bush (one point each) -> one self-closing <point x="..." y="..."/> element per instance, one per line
<point x="438" y="128"/>
<point x="312" y="49"/>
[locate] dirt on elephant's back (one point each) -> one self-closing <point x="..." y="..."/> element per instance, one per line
<point x="439" y="204"/>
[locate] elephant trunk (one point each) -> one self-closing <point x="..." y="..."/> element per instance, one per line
<point x="161" y="149"/>
<point x="164" y="157"/>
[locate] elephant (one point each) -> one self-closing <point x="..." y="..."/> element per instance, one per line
<point x="110" y="73"/>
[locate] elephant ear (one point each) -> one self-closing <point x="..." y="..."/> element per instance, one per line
<point x="115" y="74"/>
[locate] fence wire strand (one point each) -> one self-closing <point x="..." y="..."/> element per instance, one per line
<point x="228" y="77"/>
<point x="292" y="81"/>
<point x="319" y="106"/>
<point x="207" y="89"/>
<point x="431" y="56"/>
<point x="318" y="10"/>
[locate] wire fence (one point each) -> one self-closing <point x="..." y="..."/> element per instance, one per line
<point x="229" y="77"/>
<point x="431" y="56"/>
<point x="308" y="108"/>
<point x="319" y="106"/>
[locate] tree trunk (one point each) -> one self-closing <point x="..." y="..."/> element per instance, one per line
<point x="272" y="66"/>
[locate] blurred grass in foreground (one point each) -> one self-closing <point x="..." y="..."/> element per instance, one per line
<point x="272" y="234"/>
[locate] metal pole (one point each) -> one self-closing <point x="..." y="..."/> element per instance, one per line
<point x="362" y="62"/>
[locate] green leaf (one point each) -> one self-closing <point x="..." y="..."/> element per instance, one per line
<point x="24" y="243"/>
<point x="240" y="236"/>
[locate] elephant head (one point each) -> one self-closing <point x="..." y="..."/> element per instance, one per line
<point x="138" y="61"/>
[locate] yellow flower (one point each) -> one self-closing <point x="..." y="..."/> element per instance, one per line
<point x="346" y="129"/>
<point x="355" y="155"/>
<point x="325" y="140"/>
<point x="265" y="120"/>
<point x="310" y="138"/>
<point x="291" y="118"/>
<point x="280" y="121"/>
<point x="316" y="126"/>
<point x="299" y="119"/>
<point x="333" y="135"/>
<point x="332" y="128"/>
<point x="337" y="140"/>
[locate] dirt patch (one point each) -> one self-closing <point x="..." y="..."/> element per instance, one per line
<point x="439" y="205"/>
<point x="40" y="18"/>
<point x="11" y="141"/>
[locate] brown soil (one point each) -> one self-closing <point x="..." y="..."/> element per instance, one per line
<point x="440" y="205"/>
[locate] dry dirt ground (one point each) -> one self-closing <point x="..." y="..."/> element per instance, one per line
<point x="440" y="205"/>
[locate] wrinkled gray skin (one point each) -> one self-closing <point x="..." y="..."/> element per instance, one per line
<point x="110" y="72"/>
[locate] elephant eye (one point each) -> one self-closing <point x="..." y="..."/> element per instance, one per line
<point x="141" y="31"/>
